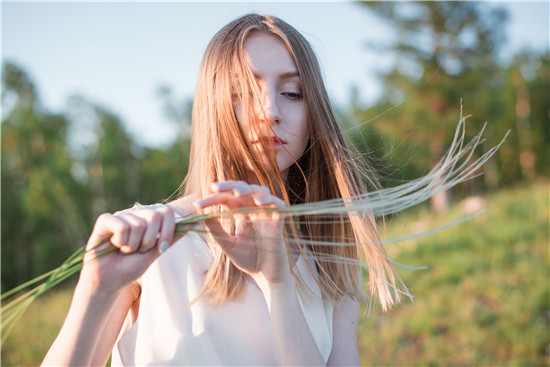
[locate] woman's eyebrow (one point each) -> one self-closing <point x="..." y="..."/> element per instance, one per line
<point x="289" y="75"/>
<point x="285" y="75"/>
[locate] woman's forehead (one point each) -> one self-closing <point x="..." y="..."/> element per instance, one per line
<point x="268" y="55"/>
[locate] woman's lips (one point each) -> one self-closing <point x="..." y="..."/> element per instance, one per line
<point x="269" y="142"/>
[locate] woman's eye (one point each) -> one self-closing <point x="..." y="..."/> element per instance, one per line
<point x="293" y="96"/>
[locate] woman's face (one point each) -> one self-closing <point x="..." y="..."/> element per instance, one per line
<point x="281" y="110"/>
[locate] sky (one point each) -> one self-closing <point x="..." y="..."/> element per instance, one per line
<point x="117" y="54"/>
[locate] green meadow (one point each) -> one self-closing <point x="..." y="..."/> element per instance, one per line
<point x="484" y="299"/>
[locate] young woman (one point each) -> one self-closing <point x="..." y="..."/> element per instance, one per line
<point x="255" y="289"/>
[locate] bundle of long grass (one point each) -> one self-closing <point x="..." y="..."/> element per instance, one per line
<point x="455" y="167"/>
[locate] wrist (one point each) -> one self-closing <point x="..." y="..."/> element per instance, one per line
<point x="284" y="287"/>
<point x="95" y="291"/>
<point x="277" y="292"/>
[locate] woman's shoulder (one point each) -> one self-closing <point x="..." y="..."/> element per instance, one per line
<point x="182" y="206"/>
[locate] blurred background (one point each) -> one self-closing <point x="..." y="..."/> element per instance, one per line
<point x="96" y="101"/>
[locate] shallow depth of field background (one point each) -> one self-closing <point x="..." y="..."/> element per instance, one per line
<point x="483" y="300"/>
<point x="485" y="297"/>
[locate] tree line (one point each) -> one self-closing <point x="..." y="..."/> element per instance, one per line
<point x="446" y="51"/>
<point x="52" y="192"/>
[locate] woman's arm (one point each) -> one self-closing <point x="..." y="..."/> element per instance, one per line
<point x="127" y="305"/>
<point x="106" y="288"/>
<point x="90" y="328"/>
<point x="344" y="337"/>
<point x="293" y="339"/>
<point x="295" y="344"/>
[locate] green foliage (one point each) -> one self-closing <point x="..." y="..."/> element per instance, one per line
<point x="47" y="212"/>
<point x="40" y="198"/>
<point x="157" y="172"/>
<point x="485" y="298"/>
<point x="116" y="168"/>
<point x="446" y="54"/>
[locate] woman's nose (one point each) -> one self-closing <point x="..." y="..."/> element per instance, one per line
<point x="269" y="108"/>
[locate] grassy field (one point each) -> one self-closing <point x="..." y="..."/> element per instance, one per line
<point x="485" y="299"/>
<point x="36" y="330"/>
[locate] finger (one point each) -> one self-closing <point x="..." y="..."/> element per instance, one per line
<point x="137" y="227"/>
<point x="167" y="228"/>
<point x="108" y="226"/>
<point x="227" y="185"/>
<point x="247" y="194"/>
<point x="227" y="200"/>
<point x="251" y="190"/>
<point x="154" y="221"/>
<point x="269" y="201"/>
<point x="220" y="235"/>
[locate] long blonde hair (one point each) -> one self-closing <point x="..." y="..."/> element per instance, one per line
<point x="327" y="169"/>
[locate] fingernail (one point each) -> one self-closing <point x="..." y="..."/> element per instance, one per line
<point x="143" y="249"/>
<point x="238" y="190"/>
<point x="197" y="203"/>
<point x="163" y="246"/>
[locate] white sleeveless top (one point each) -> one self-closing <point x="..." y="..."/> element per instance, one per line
<point x="170" y="332"/>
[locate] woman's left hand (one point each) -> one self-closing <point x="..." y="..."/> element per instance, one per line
<point x="258" y="247"/>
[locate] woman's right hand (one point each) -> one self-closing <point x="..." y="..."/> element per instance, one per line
<point x="140" y="236"/>
<point x="102" y="297"/>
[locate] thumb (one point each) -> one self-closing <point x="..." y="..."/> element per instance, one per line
<point x="220" y="234"/>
